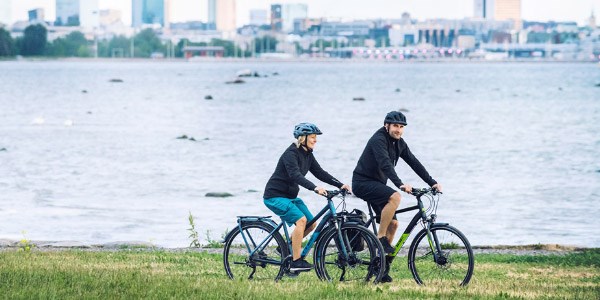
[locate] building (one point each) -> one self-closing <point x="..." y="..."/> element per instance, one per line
<point x="212" y="11"/>
<point x="36" y="15"/>
<point x="349" y="29"/>
<point x="150" y="12"/>
<point x="89" y="14"/>
<point x="5" y="12"/>
<point x="67" y="13"/>
<point x="276" y="17"/>
<point x="283" y="15"/>
<point x="259" y="17"/>
<point x="110" y="17"/>
<point x="499" y="10"/>
<point x="226" y="15"/>
<point x="203" y="51"/>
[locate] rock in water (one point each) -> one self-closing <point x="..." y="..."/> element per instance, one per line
<point x="218" y="195"/>
<point x="208" y="97"/>
<point x="236" y="81"/>
<point x="358" y="99"/>
<point x="116" y="80"/>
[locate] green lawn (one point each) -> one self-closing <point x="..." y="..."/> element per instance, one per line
<point x="187" y="275"/>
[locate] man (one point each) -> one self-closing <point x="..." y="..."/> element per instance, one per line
<point x="376" y="166"/>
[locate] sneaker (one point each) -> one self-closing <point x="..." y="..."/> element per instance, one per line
<point x="386" y="279"/>
<point x="300" y="265"/>
<point x="387" y="248"/>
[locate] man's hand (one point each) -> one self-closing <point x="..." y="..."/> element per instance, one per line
<point x="406" y="188"/>
<point x="347" y="188"/>
<point x="438" y="187"/>
<point x="321" y="191"/>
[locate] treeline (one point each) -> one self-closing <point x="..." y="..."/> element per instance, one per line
<point x="34" y="42"/>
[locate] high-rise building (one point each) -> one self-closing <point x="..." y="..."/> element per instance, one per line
<point x="149" y="12"/>
<point x="67" y="13"/>
<point x="225" y="15"/>
<point x="6" y="12"/>
<point x="483" y="9"/>
<point x="499" y="10"/>
<point x="276" y="17"/>
<point x="292" y="12"/>
<point x="259" y="17"/>
<point x="89" y="14"/>
<point x="110" y="17"/>
<point x="283" y="15"/>
<point x="212" y="11"/>
<point x="84" y="13"/>
<point x="36" y="15"/>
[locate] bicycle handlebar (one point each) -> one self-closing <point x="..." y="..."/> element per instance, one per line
<point x="333" y="193"/>
<point x="418" y="192"/>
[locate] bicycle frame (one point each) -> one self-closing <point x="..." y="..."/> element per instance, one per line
<point x="420" y="215"/>
<point x="328" y="212"/>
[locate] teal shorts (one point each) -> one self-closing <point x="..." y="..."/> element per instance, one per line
<point x="290" y="210"/>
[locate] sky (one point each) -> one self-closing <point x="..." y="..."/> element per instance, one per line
<point x="188" y="10"/>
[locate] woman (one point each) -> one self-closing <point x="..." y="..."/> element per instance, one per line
<point x="281" y="192"/>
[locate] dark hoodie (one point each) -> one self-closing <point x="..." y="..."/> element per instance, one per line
<point x="293" y="165"/>
<point x="381" y="155"/>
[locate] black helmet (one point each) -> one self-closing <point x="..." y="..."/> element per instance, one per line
<point x="395" y="117"/>
<point x="306" y="129"/>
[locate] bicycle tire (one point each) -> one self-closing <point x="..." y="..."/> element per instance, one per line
<point x="366" y="265"/>
<point x="457" y="262"/>
<point x="236" y="258"/>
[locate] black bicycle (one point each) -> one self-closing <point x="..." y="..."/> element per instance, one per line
<point x="439" y="252"/>
<point x="344" y="251"/>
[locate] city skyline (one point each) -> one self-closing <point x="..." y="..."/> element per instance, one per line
<point x="197" y="10"/>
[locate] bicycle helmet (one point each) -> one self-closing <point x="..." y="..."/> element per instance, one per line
<point x="306" y="129"/>
<point x="395" y="117"/>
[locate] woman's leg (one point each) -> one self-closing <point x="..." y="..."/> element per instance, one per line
<point x="297" y="236"/>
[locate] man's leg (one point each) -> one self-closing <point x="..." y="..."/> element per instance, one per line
<point x="297" y="236"/>
<point x="391" y="231"/>
<point x="387" y="213"/>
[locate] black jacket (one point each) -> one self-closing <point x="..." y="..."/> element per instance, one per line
<point x="293" y="164"/>
<point x="381" y="155"/>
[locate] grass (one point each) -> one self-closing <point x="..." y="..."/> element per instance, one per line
<point x="187" y="275"/>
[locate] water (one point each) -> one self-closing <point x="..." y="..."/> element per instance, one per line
<point x="515" y="146"/>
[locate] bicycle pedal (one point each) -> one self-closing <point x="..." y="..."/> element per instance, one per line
<point x="293" y="274"/>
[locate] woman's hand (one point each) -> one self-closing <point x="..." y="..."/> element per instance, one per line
<point x="321" y="191"/>
<point x="438" y="187"/>
<point x="347" y="188"/>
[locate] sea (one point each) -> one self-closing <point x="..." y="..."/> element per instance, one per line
<point x="99" y="151"/>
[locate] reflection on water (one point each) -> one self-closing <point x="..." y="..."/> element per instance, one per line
<point x="515" y="145"/>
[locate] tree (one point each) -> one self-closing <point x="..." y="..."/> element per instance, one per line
<point x="74" y="44"/>
<point x="7" y="44"/>
<point x="118" y="46"/>
<point x="146" y="42"/>
<point x="265" y="44"/>
<point x="34" y="40"/>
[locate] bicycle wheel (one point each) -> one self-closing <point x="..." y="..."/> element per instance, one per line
<point x="362" y="263"/>
<point x="453" y="267"/>
<point x="267" y="263"/>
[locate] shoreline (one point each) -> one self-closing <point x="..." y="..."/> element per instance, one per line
<point x="288" y="60"/>
<point x="50" y="246"/>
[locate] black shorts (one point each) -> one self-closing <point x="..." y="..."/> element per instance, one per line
<point x="375" y="193"/>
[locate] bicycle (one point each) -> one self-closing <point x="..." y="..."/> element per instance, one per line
<point x="439" y="252"/>
<point x="256" y="243"/>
